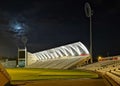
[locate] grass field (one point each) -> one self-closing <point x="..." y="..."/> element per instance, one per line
<point x="41" y="74"/>
<point x="49" y="77"/>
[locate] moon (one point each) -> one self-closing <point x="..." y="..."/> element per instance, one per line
<point x="17" y="27"/>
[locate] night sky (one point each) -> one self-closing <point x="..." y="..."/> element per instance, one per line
<point x="52" y="23"/>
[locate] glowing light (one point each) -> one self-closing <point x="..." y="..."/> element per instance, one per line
<point x="18" y="27"/>
<point x="99" y="58"/>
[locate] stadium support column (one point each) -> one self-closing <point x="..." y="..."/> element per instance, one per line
<point x="26" y="56"/>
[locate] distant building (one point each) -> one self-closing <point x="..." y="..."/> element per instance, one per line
<point x="109" y="58"/>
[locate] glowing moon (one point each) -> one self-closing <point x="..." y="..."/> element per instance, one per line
<point x="18" y="27"/>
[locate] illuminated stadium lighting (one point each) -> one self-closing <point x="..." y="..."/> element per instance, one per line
<point x="85" y="49"/>
<point x="74" y="49"/>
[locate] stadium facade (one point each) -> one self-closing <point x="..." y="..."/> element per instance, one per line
<point x="63" y="57"/>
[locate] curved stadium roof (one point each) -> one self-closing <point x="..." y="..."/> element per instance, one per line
<point x="74" y="49"/>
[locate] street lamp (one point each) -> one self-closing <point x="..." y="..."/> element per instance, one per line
<point x="89" y="14"/>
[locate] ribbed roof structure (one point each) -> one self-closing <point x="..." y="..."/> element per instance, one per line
<point x="74" y="49"/>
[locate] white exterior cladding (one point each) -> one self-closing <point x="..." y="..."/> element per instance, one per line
<point x="75" y="49"/>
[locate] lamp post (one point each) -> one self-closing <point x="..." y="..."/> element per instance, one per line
<point x="89" y="14"/>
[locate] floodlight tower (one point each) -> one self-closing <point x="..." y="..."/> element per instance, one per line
<point x="89" y="14"/>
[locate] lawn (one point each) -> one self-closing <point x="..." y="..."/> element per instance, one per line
<point x="41" y="74"/>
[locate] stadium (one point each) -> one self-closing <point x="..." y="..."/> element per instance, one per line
<point x="68" y="65"/>
<point x="63" y="57"/>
